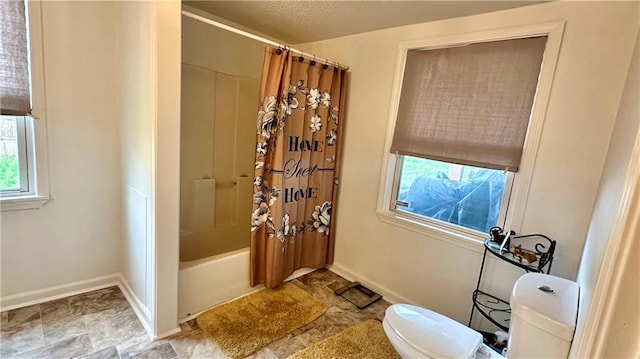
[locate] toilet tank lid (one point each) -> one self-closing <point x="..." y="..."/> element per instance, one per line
<point x="554" y="311"/>
<point x="431" y="333"/>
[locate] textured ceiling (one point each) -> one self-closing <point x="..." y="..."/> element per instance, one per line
<point x="304" y="21"/>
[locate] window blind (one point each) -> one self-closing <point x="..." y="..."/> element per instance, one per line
<point x="15" y="96"/>
<point x="469" y="105"/>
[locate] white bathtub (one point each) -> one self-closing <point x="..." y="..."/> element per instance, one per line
<point x="207" y="282"/>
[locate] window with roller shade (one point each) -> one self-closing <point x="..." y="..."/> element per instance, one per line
<point x="461" y="124"/>
<point x="23" y="169"/>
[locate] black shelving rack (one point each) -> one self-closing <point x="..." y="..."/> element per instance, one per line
<point x="496" y="310"/>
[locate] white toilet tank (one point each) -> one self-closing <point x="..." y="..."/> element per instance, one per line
<point x="544" y="310"/>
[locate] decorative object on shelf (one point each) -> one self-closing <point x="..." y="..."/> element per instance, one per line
<point x="499" y="239"/>
<point x="496" y="234"/>
<point x="531" y="252"/>
<point x="518" y="252"/>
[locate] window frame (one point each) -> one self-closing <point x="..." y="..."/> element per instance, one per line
<point x="35" y="126"/>
<point x="521" y="181"/>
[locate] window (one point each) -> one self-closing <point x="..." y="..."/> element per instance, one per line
<point x="464" y="130"/>
<point x="14" y="171"/>
<point x="467" y="196"/>
<point x="23" y="166"/>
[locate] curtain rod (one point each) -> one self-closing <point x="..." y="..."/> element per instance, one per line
<point x="259" y="38"/>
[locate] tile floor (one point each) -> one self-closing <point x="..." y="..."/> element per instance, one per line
<point x="101" y="324"/>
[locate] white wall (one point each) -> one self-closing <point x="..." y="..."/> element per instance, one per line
<point x="76" y="235"/>
<point x="137" y="95"/>
<point x="607" y="216"/>
<point x="150" y="142"/>
<point x="166" y="167"/>
<point x="623" y="328"/>
<point x="590" y="75"/>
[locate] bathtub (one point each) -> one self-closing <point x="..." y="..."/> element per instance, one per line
<point x="207" y="282"/>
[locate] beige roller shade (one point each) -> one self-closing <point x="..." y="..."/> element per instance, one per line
<point x="470" y="104"/>
<point x="14" y="61"/>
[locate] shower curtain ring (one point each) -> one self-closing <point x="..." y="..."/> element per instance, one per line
<point x="313" y="62"/>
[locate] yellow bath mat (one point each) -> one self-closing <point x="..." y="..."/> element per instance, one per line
<point x="366" y="340"/>
<point x="249" y="323"/>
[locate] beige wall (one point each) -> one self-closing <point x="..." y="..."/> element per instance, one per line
<point x="112" y="76"/>
<point x="623" y="330"/>
<point x="603" y="232"/>
<point x="591" y="70"/>
<point x="76" y="235"/>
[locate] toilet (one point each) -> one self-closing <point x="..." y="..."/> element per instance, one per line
<point x="544" y="311"/>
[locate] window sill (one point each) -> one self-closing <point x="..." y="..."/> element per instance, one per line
<point x="22" y="203"/>
<point x="447" y="235"/>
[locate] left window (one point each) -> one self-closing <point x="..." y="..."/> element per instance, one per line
<point x="23" y="162"/>
<point x="14" y="170"/>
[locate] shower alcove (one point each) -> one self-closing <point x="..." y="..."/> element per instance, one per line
<point x="220" y="80"/>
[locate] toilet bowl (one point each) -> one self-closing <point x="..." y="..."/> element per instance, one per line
<point x="542" y="325"/>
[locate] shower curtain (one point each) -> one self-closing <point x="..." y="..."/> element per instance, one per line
<point x="299" y="127"/>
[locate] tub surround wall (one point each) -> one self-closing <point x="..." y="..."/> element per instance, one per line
<point x="217" y="154"/>
<point x="590" y="75"/>
<point x="219" y="107"/>
<point x="210" y="281"/>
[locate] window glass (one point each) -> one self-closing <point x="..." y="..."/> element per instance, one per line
<point x="10" y="157"/>
<point x="462" y="195"/>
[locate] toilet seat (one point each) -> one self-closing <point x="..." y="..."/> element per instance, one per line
<point x="429" y="333"/>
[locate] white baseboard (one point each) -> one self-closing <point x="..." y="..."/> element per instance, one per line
<point x="169" y="333"/>
<point x="24" y="299"/>
<point x="388" y="295"/>
<point x="138" y="307"/>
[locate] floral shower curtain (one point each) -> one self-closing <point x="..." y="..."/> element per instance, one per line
<point x="296" y="170"/>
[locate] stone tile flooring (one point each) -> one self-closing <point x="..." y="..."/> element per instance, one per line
<point x="101" y="324"/>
